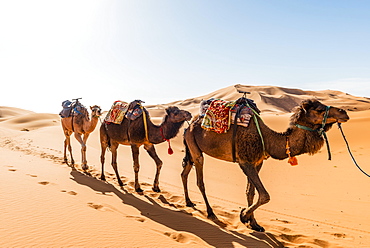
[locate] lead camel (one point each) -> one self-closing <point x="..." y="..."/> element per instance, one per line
<point x="302" y="136"/>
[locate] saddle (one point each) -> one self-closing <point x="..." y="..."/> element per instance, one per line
<point x="121" y="110"/>
<point x="72" y="109"/>
<point x="218" y="115"/>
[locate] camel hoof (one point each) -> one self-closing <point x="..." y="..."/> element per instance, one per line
<point x="85" y="167"/>
<point x="156" y="189"/>
<point x="102" y="177"/>
<point x="212" y="216"/>
<point x="257" y="228"/>
<point x="190" y="204"/>
<point x="242" y="216"/>
<point x="139" y="190"/>
<point x="251" y="223"/>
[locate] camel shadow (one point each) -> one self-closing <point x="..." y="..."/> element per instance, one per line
<point x="176" y="220"/>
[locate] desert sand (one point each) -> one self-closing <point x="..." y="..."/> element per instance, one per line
<point x="318" y="203"/>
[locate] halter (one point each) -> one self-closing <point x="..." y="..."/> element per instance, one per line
<point x="321" y="130"/>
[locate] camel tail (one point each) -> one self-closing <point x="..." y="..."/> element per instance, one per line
<point x="187" y="159"/>
<point x="104" y="138"/>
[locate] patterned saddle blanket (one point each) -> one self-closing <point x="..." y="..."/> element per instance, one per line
<point x="121" y="109"/>
<point x="218" y="115"/>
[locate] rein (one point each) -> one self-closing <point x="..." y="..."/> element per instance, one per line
<point x="349" y="150"/>
<point x="145" y="122"/>
<point x="320" y="131"/>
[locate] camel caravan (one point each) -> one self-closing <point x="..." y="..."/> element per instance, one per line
<point x="227" y="130"/>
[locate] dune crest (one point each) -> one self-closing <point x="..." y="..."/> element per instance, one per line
<point x="275" y="99"/>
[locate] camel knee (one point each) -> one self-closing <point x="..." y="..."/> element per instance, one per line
<point x="136" y="168"/>
<point x="159" y="165"/>
<point x="264" y="198"/>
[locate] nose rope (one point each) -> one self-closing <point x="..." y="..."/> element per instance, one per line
<point x="349" y="150"/>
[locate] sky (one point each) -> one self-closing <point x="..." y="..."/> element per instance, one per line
<point x="161" y="51"/>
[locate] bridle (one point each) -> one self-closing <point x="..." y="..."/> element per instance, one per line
<point x="321" y="130"/>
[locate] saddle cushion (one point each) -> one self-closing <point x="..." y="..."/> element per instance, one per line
<point x="120" y="110"/>
<point x="117" y="112"/>
<point x="218" y="115"/>
<point x="72" y="108"/>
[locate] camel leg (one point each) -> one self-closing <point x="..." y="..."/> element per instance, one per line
<point x="135" y="157"/>
<point x="83" y="149"/>
<point x="184" y="177"/>
<point x="104" y="147"/>
<point x="198" y="162"/>
<point x="250" y="192"/>
<point x="67" y="144"/>
<point x="113" y="149"/>
<point x="84" y="159"/>
<point x="193" y="151"/>
<point x="246" y="215"/>
<point x="151" y="150"/>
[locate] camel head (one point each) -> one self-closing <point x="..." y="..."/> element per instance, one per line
<point x="177" y="115"/>
<point x="312" y="113"/>
<point x="95" y="111"/>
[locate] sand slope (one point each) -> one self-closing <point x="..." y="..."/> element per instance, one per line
<point x="281" y="100"/>
<point x="318" y="203"/>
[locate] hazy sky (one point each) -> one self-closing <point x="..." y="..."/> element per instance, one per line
<point x="165" y="50"/>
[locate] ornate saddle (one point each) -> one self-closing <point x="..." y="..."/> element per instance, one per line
<point x="121" y="110"/>
<point x="218" y="115"/>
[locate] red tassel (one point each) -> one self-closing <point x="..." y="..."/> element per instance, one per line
<point x="293" y="161"/>
<point x="170" y="151"/>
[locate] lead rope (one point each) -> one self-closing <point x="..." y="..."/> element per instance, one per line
<point x="349" y="150"/>
<point x="145" y="123"/>
<point x="258" y="129"/>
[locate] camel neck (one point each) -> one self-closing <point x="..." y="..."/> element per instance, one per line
<point x="165" y="131"/>
<point x="91" y="124"/>
<point x="301" y="141"/>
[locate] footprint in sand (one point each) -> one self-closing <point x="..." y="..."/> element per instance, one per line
<point x="31" y="175"/>
<point x="137" y="218"/>
<point x="179" y="236"/>
<point x="69" y="192"/>
<point x="44" y="183"/>
<point x="12" y="170"/>
<point x="95" y="206"/>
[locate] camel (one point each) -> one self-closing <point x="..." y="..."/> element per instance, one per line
<point x="81" y="125"/>
<point x="303" y="136"/>
<point x="133" y="133"/>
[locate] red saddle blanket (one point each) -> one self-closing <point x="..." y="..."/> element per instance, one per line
<point x="220" y="114"/>
<point x="121" y="109"/>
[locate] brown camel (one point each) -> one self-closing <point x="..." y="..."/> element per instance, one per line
<point x="80" y="124"/>
<point x="133" y="133"/>
<point x="250" y="153"/>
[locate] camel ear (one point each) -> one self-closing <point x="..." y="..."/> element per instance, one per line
<point x="170" y="109"/>
<point x="91" y="107"/>
<point x="306" y="105"/>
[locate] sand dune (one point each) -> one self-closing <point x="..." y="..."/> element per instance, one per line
<point x="319" y="203"/>
<point x="279" y="99"/>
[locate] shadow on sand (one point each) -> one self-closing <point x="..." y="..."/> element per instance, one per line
<point x="179" y="221"/>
